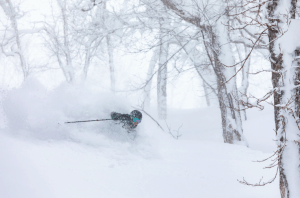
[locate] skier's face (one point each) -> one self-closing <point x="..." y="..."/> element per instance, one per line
<point x="136" y="121"/>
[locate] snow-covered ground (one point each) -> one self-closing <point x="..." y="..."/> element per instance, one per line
<point x="41" y="157"/>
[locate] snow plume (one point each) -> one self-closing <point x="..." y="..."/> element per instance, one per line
<point x="34" y="112"/>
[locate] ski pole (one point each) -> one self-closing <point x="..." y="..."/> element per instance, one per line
<point x="88" y="121"/>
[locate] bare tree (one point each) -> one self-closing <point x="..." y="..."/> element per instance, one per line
<point x="10" y="11"/>
<point x="280" y="30"/>
<point x="216" y="43"/>
<point x="58" y="40"/>
<point x="88" y="21"/>
<point x="156" y="22"/>
<point x="106" y="24"/>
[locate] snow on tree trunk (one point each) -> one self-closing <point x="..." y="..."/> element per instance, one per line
<point x="151" y="67"/>
<point x="227" y="92"/>
<point x="231" y="133"/>
<point x="286" y="80"/>
<point x="162" y="78"/>
<point x="110" y="51"/>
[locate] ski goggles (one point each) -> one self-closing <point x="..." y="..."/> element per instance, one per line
<point x="136" y="120"/>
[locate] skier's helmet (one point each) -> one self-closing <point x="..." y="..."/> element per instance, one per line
<point x="136" y="114"/>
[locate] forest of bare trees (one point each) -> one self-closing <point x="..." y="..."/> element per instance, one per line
<point x="215" y="39"/>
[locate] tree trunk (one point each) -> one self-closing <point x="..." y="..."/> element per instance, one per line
<point x="110" y="51"/>
<point x="286" y="97"/>
<point x="87" y="61"/>
<point x="151" y="67"/>
<point x="206" y="92"/>
<point x="231" y="133"/>
<point x="227" y="92"/>
<point x="68" y="68"/>
<point x="245" y="77"/>
<point x="162" y="78"/>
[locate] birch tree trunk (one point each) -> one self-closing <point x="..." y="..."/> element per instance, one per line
<point x="227" y="90"/>
<point x="151" y="67"/>
<point x="231" y="133"/>
<point x="220" y="51"/>
<point x="162" y="78"/>
<point x="226" y="58"/>
<point x="286" y="81"/>
<point x="110" y="51"/>
<point x="245" y="80"/>
<point x="90" y="48"/>
<point x="86" y="61"/>
<point x="68" y="67"/>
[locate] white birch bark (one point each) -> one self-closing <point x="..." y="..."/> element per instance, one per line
<point x="110" y="51"/>
<point x="148" y="86"/>
<point x="66" y="49"/>
<point x="90" y="49"/>
<point x="162" y="78"/>
<point x="110" y="48"/>
<point x="61" y="48"/>
<point x="226" y="58"/>
<point x="86" y="61"/>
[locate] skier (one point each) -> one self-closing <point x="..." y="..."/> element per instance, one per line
<point x="130" y="121"/>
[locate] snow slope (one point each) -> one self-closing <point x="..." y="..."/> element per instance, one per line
<point x="41" y="158"/>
